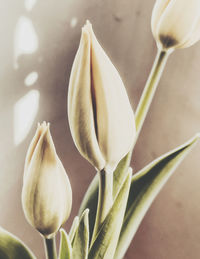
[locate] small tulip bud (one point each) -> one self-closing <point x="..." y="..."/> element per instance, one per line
<point x="176" y="23"/>
<point x="100" y="115"/>
<point x="46" y="192"/>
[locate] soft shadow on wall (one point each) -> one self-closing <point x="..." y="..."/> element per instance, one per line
<point x="40" y="39"/>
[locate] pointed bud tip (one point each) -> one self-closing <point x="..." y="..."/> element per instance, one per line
<point x="88" y="23"/>
<point x="44" y="124"/>
<point x="42" y="128"/>
<point x="87" y="27"/>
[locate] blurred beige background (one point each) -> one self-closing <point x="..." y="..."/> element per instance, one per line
<point x="38" y="42"/>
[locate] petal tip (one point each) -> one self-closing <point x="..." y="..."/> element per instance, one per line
<point x="44" y="126"/>
<point x="88" y="26"/>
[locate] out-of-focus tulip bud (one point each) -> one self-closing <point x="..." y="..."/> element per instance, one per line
<point x="100" y="115"/>
<point x="176" y="23"/>
<point x="46" y="193"/>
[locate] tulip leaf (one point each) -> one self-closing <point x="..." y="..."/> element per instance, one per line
<point x="120" y="173"/>
<point x="73" y="229"/>
<point x="81" y="239"/>
<point x="13" y="248"/>
<point x="90" y="202"/>
<point x="65" y="246"/>
<point x="145" y="186"/>
<point x="106" y="241"/>
<point x="90" y="199"/>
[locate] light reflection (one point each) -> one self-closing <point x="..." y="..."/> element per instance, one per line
<point x="31" y="78"/>
<point x="25" y="111"/>
<point x="26" y="40"/>
<point x="29" y="4"/>
<point x="73" y="22"/>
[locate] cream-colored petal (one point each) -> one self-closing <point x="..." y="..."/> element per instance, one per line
<point x="158" y="9"/>
<point x="177" y="22"/>
<point x="32" y="147"/>
<point x="80" y="105"/>
<point x="66" y="191"/>
<point x="194" y="37"/>
<point x="39" y="132"/>
<point x="114" y="115"/>
<point x="46" y="193"/>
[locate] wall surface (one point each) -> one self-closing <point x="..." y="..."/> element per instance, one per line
<point x="38" y="42"/>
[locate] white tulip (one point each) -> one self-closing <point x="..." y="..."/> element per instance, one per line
<point x="46" y="193"/>
<point x="176" y="23"/>
<point x="100" y="115"/>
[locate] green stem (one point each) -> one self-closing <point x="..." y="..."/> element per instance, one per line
<point x="105" y="199"/>
<point x="50" y="245"/>
<point x="142" y="108"/>
<point x="150" y="88"/>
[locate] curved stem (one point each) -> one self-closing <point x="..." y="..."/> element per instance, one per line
<point x="143" y="107"/>
<point x="150" y="88"/>
<point x="50" y="245"/>
<point x="105" y="199"/>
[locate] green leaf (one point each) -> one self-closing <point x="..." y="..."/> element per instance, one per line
<point x="13" y="248"/>
<point x="145" y="186"/>
<point x="65" y="246"/>
<point x="121" y="173"/>
<point x="73" y="229"/>
<point x="90" y="199"/>
<point x="81" y="239"/>
<point x="105" y="244"/>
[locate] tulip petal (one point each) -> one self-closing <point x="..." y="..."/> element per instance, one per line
<point x="114" y="115"/>
<point x="158" y="9"/>
<point x="32" y="146"/>
<point x="194" y="37"/>
<point x="176" y="24"/>
<point x="46" y="193"/>
<point x="80" y="105"/>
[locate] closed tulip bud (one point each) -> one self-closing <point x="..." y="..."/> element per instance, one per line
<point x="100" y="115"/>
<point x="176" y="23"/>
<point x="46" y="193"/>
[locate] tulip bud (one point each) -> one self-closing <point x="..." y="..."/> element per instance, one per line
<point x="100" y="115"/>
<point x="46" y="192"/>
<point x="176" y="23"/>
